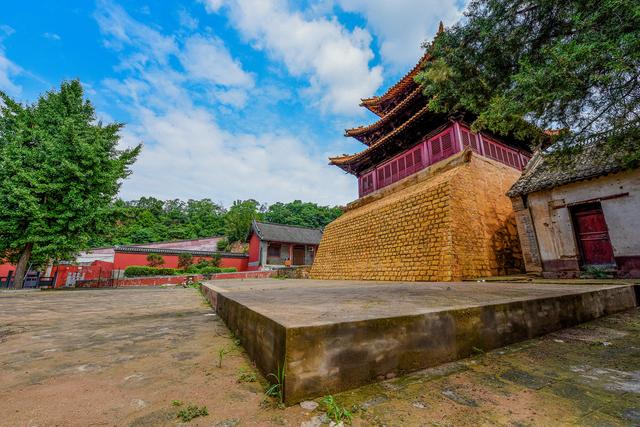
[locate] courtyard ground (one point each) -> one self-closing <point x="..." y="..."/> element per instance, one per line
<point x="122" y="357"/>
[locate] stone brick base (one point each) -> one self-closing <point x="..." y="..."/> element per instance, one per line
<point x="451" y="221"/>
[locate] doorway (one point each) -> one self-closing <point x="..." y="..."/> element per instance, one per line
<point x="592" y="235"/>
<point x="298" y="255"/>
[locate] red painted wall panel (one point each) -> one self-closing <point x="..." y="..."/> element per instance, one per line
<point x="123" y="260"/>
<point x="254" y="251"/>
<point x="97" y="269"/>
<point x="5" y="269"/>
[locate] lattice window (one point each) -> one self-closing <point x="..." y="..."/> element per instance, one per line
<point x="441" y="146"/>
<point x="469" y="139"/>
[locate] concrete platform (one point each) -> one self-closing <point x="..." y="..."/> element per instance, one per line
<point x="336" y="335"/>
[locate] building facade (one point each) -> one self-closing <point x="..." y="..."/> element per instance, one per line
<point x="580" y="215"/>
<point x="432" y="202"/>
<point x="277" y="245"/>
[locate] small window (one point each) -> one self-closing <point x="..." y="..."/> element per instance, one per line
<point x="273" y="251"/>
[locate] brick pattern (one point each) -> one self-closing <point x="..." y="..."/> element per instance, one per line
<point x="441" y="225"/>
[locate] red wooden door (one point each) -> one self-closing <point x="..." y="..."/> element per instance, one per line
<point x="298" y="255"/>
<point x="592" y="235"/>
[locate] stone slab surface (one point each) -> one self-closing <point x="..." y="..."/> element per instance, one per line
<point x="295" y="303"/>
<point x="339" y="335"/>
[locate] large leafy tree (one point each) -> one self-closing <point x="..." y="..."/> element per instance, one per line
<point x="237" y="221"/>
<point x="300" y="213"/>
<point x="525" y="65"/>
<point x="59" y="171"/>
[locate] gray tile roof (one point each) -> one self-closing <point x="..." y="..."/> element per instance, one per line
<point x="541" y="173"/>
<point x="287" y="233"/>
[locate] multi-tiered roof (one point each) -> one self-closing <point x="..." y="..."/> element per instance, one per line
<point x="403" y="112"/>
<point x="404" y="120"/>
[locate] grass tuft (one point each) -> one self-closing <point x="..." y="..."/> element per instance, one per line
<point x="191" y="412"/>
<point x="277" y="389"/>
<point x="336" y="412"/>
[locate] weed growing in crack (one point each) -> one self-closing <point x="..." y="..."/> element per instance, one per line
<point x="222" y="351"/>
<point x="246" y="376"/>
<point x="336" y="412"/>
<point x="277" y="389"/>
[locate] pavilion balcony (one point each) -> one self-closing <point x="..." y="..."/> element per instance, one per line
<point x="429" y="151"/>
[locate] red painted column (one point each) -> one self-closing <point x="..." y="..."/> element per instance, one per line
<point x="458" y="137"/>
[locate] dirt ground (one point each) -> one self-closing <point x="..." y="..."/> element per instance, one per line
<point x="122" y="357"/>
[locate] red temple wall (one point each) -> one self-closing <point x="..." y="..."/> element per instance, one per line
<point x="122" y="260"/>
<point x="254" y="252"/>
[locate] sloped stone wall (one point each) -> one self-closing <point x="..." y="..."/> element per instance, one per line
<point x="484" y="231"/>
<point x="448" y="222"/>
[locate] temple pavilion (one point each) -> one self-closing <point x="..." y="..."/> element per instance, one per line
<point x="432" y="202"/>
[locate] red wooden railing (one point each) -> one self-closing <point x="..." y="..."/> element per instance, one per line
<point x="432" y="150"/>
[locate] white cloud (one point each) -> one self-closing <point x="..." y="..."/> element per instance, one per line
<point x="51" y="36"/>
<point x="209" y="59"/>
<point x="8" y="69"/>
<point x="187" y="153"/>
<point x="333" y="59"/>
<point x="120" y="29"/>
<point x="212" y="6"/>
<point x="7" y="30"/>
<point x="186" y="20"/>
<point x="402" y="25"/>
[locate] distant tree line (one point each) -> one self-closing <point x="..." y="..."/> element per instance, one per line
<point x="148" y="219"/>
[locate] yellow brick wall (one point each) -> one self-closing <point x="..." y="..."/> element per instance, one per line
<point x="484" y="232"/>
<point x="439" y="225"/>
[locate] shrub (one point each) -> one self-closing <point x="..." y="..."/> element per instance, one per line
<point x="223" y="244"/>
<point x="209" y="270"/>
<point x="138" y="270"/>
<point x="214" y="270"/>
<point x="143" y="270"/>
<point x="215" y="261"/>
<point x="185" y="261"/>
<point x="155" y="260"/>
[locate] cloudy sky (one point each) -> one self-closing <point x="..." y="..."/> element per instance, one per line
<point x="232" y="99"/>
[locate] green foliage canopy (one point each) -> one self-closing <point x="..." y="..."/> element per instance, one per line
<point x="521" y="66"/>
<point x="237" y="221"/>
<point x="150" y="220"/>
<point x="59" y="172"/>
<point x="302" y="214"/>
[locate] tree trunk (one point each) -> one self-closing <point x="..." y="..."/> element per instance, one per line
<point x="21" y="268"/>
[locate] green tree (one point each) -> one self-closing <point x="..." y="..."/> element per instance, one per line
<point x="155" y="260"/>
<point x="300" y="213"/>
<point x="238" y="220"/>
<point x="59" y="171"/>
<point x="520" y="66"/>
<point x="185" y="261"/>
<point x="205" y="218"/>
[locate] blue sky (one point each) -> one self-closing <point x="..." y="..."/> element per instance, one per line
<point x="232" y="99"/>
